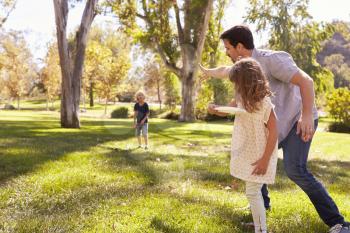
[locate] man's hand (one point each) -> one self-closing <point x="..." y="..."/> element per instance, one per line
<point x="305" y="127"/>
<point x="260" y="166"/>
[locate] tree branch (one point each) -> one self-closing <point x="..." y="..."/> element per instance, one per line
<point x="169" y="65"/>
<point x="8" y="14"/>
<point x="81" y="39"/>
<point x="204" y="29"/>
<point x="178" y="24"/>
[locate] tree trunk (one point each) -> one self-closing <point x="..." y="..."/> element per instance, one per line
<point x="71" y="76"/>
<point x="91" y="94"/>
<point x="18" y="99"/>
<point x="188" y="84"/>
<point x="47" y="103"/>
<point x="83" y="94"/>
<point x="191" y="53"/>
<point x="188" y="96"/>
<point x="158" y="93"/>
<point x="106" y="105"/>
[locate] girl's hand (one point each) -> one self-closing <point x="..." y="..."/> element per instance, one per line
<point x="135" y="125"/>
<point x="211" y="109"/>
<point x="261" y="166"/>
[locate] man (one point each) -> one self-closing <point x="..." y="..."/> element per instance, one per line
<point x="296" y="113"/>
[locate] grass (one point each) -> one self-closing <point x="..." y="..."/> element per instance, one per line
<point x="95" y="180"/>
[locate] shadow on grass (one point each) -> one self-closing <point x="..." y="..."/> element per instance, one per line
<point x="162" y="226"/>
<point x="26" y="144"/>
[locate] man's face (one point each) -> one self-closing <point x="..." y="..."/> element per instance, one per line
<point x="231" y="51"/>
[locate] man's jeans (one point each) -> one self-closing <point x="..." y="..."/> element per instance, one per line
<point x="295" y="155"/>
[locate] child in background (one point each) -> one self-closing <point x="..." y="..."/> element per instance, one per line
<point x="254" y="137"/>
<point x="141" y="113"/>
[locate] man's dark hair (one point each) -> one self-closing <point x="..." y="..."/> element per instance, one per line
<point x="239" y="34"/>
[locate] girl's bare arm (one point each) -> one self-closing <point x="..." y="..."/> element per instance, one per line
<point x="221" y="72"/>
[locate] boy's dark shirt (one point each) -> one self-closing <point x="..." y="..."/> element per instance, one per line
<point x="142" y="110"/>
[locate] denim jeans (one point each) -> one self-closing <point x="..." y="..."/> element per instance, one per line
<point x="265" y="195"/>
<point x="295" y="155"/>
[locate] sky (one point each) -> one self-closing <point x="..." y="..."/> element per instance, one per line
<point x="36" y="19"/>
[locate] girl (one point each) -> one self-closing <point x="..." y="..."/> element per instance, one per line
<point x="254" y="137"/>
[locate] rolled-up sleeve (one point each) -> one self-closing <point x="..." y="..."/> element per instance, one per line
<point x="282" y="66"/>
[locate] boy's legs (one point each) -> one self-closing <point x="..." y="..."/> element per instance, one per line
<point x="138" y="134"/>
<point x="295" y="155"/>
<point x="145" y="134"/>
<point x="253" y="193"/>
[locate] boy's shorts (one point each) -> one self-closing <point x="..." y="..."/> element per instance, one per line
<point x="143" y="128"/>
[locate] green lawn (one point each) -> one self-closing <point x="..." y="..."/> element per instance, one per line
<point x="95" y="180"/>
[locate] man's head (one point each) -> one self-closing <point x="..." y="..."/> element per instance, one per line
<point x="238" y="42"/>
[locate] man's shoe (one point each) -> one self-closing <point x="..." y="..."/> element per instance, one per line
<point x="339" y="228"/>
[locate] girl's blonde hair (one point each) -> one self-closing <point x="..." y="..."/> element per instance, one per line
<point x="250" y="83"/>
<point x="140" y="93"/>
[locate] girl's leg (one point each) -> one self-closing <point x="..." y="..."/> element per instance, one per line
<point x="253" y="193"/>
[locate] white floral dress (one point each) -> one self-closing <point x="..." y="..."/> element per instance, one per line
<point x="249" y="140"/>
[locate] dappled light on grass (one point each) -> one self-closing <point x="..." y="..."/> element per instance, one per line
<point x="96" y="179"/>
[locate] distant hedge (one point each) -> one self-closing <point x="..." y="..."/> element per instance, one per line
<point x="121" y="112"/>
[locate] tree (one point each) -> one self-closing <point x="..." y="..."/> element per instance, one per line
<point x="51" y="75"/>
<point x="107" y="62"/>
<point x="97" y="56"/>
<point x="291" y="30"/>
<point x="179" y="50"/>
<point x="340" y="69"/>
<point x="154" y="78"/>
<point x="172" y="90"/>
<point x="72" y="71"/>
<point x="17" y="72"/>
<point x="212" y="55"/>
<point x="96" y="37"/>
<point x="116" y="66"/>
<point x="6" y="7"/>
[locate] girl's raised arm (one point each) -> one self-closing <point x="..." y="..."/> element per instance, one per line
<point x="218" y="72"/>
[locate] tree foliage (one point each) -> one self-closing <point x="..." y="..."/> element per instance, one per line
<point x="340" y="69"/>
<point x="17" y="72"/>
<point x="175" y="31"/>
<point x="107" y="61"/>
<point x="291" y="29"/>
<point x="338" y="105"/>
<point x="51" y="74"/>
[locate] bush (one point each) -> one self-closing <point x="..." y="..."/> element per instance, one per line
<point x="9" y="107"/>
<point x="339" y="108"/>
<point x="210" y="117"/>
<point x="338" y="105"/>
<point x="172" y="115"/>
<point x="172" y="90"/>
<point x="155" y="113"/>
<point x="339" y="127"/>
<point x="204" y="98"/>
<point x="122" y="112"/>
<point x="126" y="97"/>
